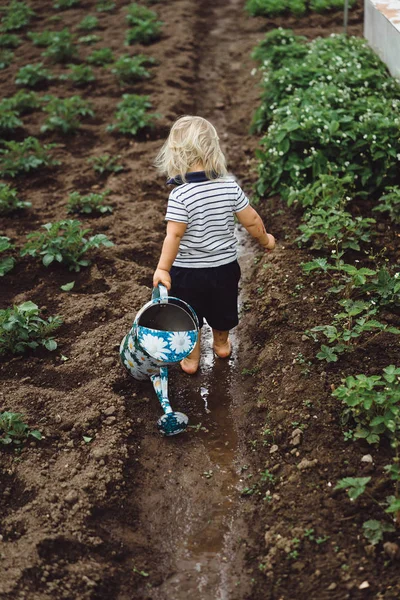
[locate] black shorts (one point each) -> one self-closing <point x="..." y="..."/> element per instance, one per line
<point x="212" y="292"/>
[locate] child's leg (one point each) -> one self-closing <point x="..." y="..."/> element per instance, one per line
<point x="222" y="344"/>
<point x="190" y="364"/>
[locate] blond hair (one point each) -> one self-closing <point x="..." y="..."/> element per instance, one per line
<point x="191" y="141"/>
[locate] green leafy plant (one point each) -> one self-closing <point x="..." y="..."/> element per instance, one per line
<point x="17" y="16"/>
<point x="62" y="47"/>
<point x="9" y="201"/>
<point x="9" y="40"/>
<point x="346" y="330"/>
<point x="63" y="242"/>
<point x="105" y="163"/>
<point x="22" y="157"/>
<point x="6" y="57"/>
<point x="322" y="6"/>
<point x="88" y="23"/>
<point x="22" y="329"/>
<point x="89" y="39"/>
<point x="105" y="5"/>
<point x="9" y="118"/>
<point x="23" y="102"/>
<point x="92" y="203"/>
<point x="354" y="486"/>
<point x="6" y="262"/>
<point x="33" y="75"/>
<point x="43" y="39"/>
<point x="374" y="530"/>
<point x="334" y="228"/>
<point x="14" y="430"/>
<point x="81" y="75"/>
<point x="273" y="8"/>
<point x="132" y="68"/>
<point x="132" y="115"/>
<point x="101" y="57"/>
<point x="373" y="403"/>
<point x="279" y="46"/>
<point x="65" y="114"/>
<point x="144" y="25"/>
<point x="64" y="4"/>
<point x="390" y="203"/>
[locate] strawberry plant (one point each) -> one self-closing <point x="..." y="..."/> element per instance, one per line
<point x="6" y="262"/>
<point x="17" y="15"/>
<point x="64" y="114"/>
<point x="9" y="201"/>
<point x="279" y="46"/>
<point x="63" y="242"/>
<point x="132" y="68"/>
<point x="101" y="57"/>
<point x="14" y="430"/>
<point x="33" y="75"/>
<point x="273" y="8"/>
<point x="62" y="47"/>
<point x="88" y="23"/>
<point x="9" y="40"/>
<point x="105" y="163"/>
<point x="92" y="203"/>
<point x="132" y="115"/>
<point x="390" y="203"/>
<point x="22" y="157"/>
<point x="347" y="327"/>
<point x="373" y="403"/>
<point x="80" y="75"/>
<point x="22" y="329"/>
<point x="334" y="228"/>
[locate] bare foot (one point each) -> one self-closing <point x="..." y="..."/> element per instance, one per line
<point x="223" y="350"/>
<point x="189" y="365"/>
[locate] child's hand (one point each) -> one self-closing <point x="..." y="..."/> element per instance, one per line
<point x="270" y="245"/>
<point x="161" y="276"/>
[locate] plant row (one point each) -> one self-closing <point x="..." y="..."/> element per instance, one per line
<point x="298" y="8"/>
<point x="330" y="148"/>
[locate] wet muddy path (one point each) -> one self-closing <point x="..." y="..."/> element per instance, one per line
<point x="186" y="490"/>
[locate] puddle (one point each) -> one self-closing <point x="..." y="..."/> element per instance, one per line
<point x="202" y="557"/>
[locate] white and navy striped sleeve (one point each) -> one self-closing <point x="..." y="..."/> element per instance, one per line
<point x="242" y="200"/>
<point x="176" y="210"/>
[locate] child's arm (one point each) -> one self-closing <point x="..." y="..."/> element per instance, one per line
<point x="251" y="220"/>
<point x="169" y="251"/>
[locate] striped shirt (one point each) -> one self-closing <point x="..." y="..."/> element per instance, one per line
<point x="208" y="207"/>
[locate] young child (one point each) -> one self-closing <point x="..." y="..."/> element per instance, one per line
<point x="198" y="260"/>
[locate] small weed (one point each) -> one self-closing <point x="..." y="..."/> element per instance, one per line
<point x="250" y="372"/>
<point x="197" y="428"/>
<point x="208" y="474"/>
<point x="139" y="572"/>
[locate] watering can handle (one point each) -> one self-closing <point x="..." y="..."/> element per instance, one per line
<point x="160" y="293"/>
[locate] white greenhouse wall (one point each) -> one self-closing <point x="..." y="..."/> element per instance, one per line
<point x="382" y="30"/>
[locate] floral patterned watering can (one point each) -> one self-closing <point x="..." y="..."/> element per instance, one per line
<point x="165" y="330"/>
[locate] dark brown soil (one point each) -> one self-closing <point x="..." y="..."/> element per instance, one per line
<point x="131" y="515"/>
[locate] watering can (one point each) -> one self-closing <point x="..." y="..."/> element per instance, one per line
<point x="164" y="332"/>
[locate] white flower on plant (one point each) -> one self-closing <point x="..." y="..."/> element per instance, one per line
<point x="155" y="346"/>
<point x="131" y="344"/>
<point x="180" y="341"/>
